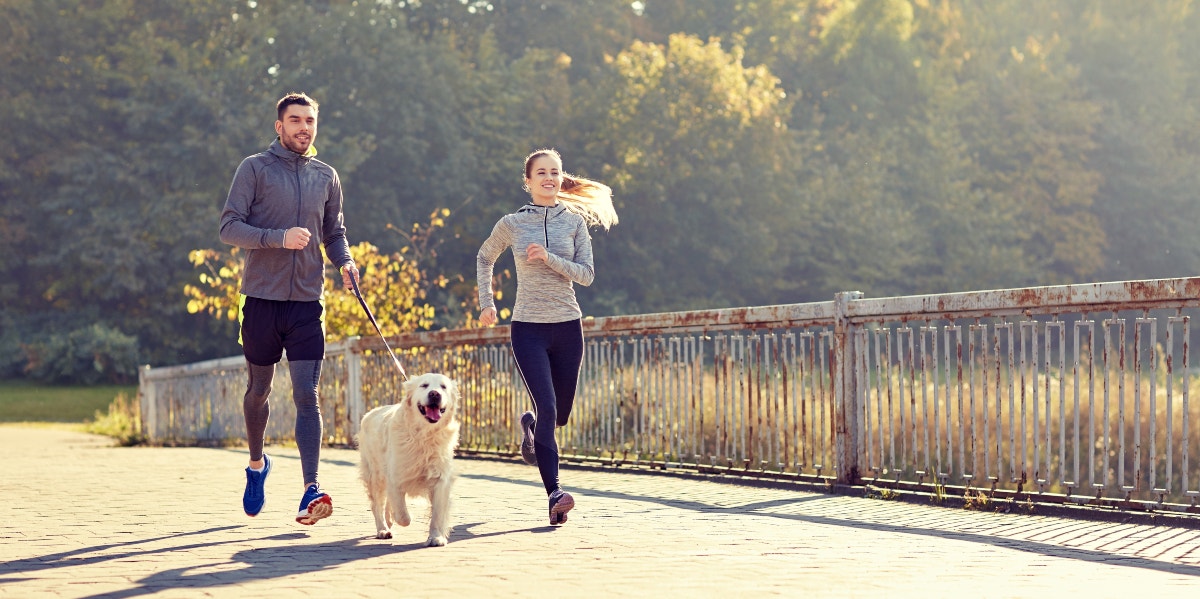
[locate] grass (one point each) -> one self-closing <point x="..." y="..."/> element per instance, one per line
<point x="977" y="500"/>
<point x="884" y="493"/>
<point x="24" y="401"/>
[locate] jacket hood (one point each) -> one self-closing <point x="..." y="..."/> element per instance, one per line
<point x="532" y="208"/>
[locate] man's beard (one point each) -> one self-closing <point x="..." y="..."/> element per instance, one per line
<point x="296" y="145"/>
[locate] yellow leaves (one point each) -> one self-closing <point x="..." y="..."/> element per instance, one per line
<point x="219" y="279"/>
<point x="392" y="285"/>
<point x="436" y="218"/>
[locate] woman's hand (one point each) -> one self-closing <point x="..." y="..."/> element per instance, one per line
<point x="487" y="317"/>
<point x="535" y="252"/>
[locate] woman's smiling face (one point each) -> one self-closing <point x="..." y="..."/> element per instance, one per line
<point x="544" y="179"/>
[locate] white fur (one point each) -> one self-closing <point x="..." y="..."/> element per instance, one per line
<point x="405" y="455"/>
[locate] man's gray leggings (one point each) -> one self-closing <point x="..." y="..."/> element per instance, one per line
<point x="306" y="374"/>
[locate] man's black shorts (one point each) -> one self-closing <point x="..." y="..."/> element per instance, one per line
<point x="269" y="327"/>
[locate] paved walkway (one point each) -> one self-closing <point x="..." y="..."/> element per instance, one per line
<point x="85" y="519"/>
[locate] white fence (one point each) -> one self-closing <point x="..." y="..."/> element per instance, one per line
<point x="1078" y="393"/>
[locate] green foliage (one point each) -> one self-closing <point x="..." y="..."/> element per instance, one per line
<point x="1136" y="66"/>
<point x="761" y="152"/>
<point x="66" y="347"/>
<point x="88" y="356"/>
<point x="692" y="141"/>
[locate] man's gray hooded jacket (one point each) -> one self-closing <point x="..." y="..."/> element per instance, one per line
<point x="273" y="191"/>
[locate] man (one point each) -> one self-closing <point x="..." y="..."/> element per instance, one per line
<point x="279" y="200"/>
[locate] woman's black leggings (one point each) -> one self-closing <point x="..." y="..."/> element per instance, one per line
<point x="548" y="356"/>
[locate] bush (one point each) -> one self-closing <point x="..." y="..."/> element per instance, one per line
<point x="91" y="355"/>
<point x="122" y="422"/>
<point x="12" y="357"/>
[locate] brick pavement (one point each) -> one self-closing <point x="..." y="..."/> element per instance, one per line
<point x="85" y="519"/>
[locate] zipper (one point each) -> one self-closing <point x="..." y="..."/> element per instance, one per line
<point x="299" y="216"/>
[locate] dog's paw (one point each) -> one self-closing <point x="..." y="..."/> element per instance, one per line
<point x="402" y="518"/>
<point x="383" y="534"/>
<point x="437" y="541"/>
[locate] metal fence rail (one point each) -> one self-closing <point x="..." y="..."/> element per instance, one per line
<point x="1074" y="393"/>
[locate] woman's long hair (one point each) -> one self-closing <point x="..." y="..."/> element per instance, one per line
<point x="590" y="199"/>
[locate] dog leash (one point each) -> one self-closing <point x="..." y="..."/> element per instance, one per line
<point x="363" y="303"/>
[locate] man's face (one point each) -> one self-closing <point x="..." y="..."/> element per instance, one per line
<point x="298" y="128"/>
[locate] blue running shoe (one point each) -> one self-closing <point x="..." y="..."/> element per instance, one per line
<point x="561" y="502"/>
<point x="527" y="453"/>
<point x="255" y="497"/>
<point x="315" y="505"/>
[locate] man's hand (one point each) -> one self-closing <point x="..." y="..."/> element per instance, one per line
<point x="349" y="276"/>
<point x="296" y="238"/>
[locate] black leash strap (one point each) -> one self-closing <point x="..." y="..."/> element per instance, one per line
<point x="361" y="301"/>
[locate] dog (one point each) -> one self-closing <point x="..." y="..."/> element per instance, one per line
<point x="407" y="450"/>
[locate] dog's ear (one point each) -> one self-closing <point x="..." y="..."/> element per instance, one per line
<point x="406" y="389"/>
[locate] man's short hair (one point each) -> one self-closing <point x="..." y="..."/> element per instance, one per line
<point x="300" y="98"/>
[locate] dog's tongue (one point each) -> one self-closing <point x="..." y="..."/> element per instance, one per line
<point x="433" y="414"/>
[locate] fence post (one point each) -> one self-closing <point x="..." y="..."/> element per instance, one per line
<point x="147" y="403"/>
<point x="355" y="406"/>
<point x="845" y="390"/>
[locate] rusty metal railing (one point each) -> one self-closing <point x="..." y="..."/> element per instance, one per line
<point x="1078" y="394"/>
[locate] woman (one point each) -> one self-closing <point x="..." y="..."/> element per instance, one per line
<point x="552" y="249"/>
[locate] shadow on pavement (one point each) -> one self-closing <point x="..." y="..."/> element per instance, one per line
<point x="78" y="557"/>
<point x="258" y="564"/>
<point x="761" y="510"/>
<point x="243" y="566"/>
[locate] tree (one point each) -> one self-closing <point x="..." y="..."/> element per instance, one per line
<point x="762" y="151"/>
<point x="1030" y="132"/>
<point x="694" y="146"/>
<point x="113" y="158"/>
<point x="1136" y="66"/>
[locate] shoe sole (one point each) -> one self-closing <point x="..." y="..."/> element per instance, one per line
<point x="527" y="452"/>
<point x="558" y="513"/>
<point x="318" y="509"/>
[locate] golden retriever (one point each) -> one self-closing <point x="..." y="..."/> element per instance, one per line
<point x="407" y="450"/>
